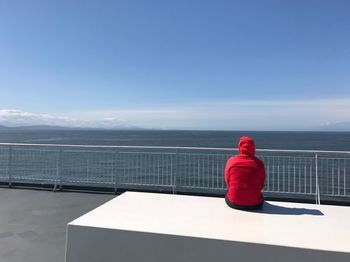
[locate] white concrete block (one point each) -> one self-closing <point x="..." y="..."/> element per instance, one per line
<point x="159" y="227"/>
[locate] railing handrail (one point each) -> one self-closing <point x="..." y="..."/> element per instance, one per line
<point x="175" y="147"/>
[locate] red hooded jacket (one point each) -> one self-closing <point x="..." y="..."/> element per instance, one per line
<point x="245" y="175"/>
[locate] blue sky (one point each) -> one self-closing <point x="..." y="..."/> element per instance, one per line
<point x="233" y="65"/>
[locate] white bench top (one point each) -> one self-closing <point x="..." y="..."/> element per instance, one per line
<point x="298" y="225"/>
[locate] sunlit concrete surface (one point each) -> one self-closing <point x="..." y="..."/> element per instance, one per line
<point x="33" y="223"/>
<point x="157" y="227"/>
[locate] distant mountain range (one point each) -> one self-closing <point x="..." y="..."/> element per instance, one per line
<point x="51" y="127"/>
<point x="37" y="127"/>
<point x="331" y="127"/>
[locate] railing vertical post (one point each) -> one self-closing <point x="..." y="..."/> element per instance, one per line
<point x="60" y="153"/>
<point x="9" y="167"/>
<point x="58" y="171"/>
<point x="174" y="168"/>
<point x="317" y="183"/>
<point x="115" y="162"/>
<point x="87" y="169"/>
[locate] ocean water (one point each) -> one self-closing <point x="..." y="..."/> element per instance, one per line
<point x="226" y="139"/>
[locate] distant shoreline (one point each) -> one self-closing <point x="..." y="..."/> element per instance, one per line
<point x="62" y="128"/>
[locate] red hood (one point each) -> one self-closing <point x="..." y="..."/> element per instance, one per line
<point x="246" y="146"/>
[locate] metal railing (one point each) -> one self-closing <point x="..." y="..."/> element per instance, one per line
<point x="289" y="173"/>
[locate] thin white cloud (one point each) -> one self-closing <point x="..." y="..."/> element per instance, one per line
<point x="225" y="115"/>
<point x="236" y="115"/>
<point x="15" y="117"/>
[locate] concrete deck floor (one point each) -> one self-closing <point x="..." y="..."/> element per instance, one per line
<point x="33" y="222"/>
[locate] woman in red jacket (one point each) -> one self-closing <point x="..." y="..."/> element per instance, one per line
<point x="245" y="177"/>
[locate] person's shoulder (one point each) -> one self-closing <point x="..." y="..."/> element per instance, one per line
<point x="259" y="161"/>
<point x="232" y="159"/>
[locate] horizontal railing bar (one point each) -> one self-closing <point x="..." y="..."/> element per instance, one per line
<point x="290" y="157"/>
<point x="39" y="149"/>
<point x="175" y="147"/>
<point x="86" y="151"/>
<point x="148" y="153"/>
<point x="337" y="158"/>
